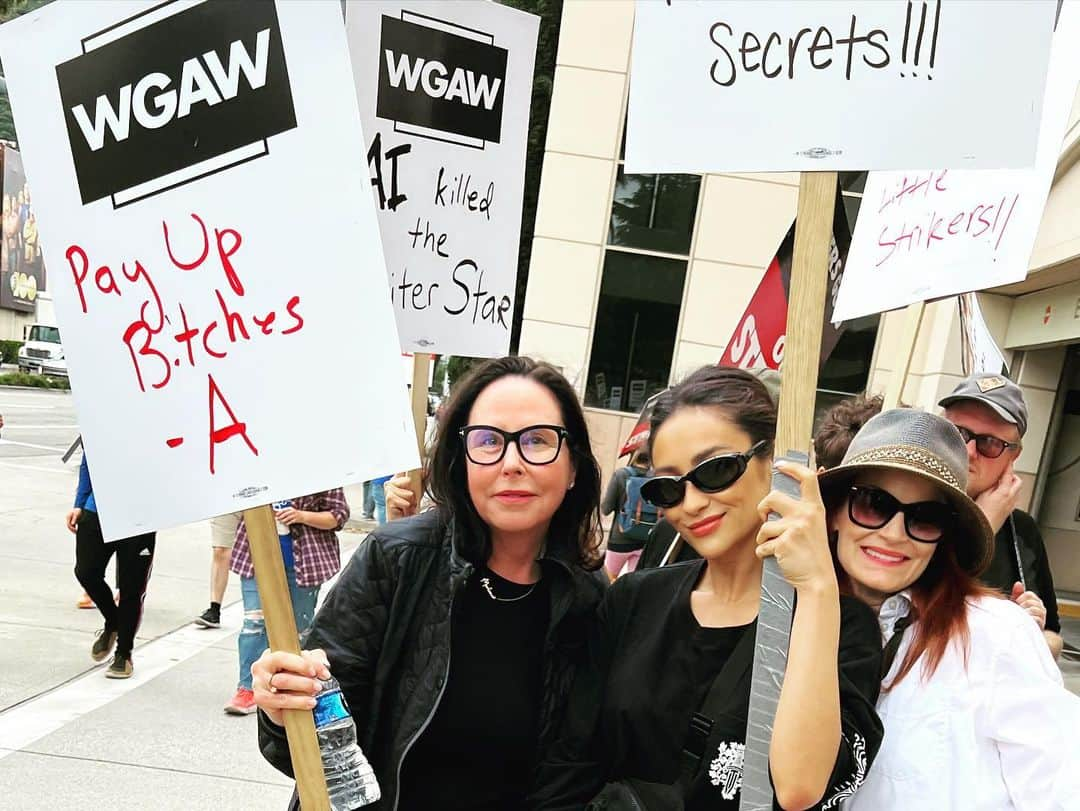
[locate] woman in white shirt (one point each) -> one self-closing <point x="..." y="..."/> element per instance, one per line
<point x="976" y="717"/>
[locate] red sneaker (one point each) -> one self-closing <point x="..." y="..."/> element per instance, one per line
<point x="243" y="703"/>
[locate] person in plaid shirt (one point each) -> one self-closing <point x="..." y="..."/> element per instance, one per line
<point x="310" y="550"/>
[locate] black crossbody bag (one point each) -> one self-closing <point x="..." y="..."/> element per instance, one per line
<point x="632" y="794"/>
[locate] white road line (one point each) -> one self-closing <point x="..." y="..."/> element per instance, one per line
<point x="6" y="406"/>
<point x="42" y="716"/>
<point x="11" y="426"/>
<point x="30" y="445"/>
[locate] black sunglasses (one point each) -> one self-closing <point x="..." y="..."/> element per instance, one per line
<point x="711" y="476"/>
<point x="537" y="444"/>
<point x="924" y="521"/>
<point x="987" y="445"/>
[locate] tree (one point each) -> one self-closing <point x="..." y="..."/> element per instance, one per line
<point x="547" y="43"/>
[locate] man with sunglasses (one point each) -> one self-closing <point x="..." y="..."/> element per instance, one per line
<point x="991" y="415"/>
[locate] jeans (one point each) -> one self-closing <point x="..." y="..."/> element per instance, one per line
<point x="369" y="498"/>
<point x="379" y="494"/>
<point x="252" y="640"/>
<point x="134" y="561"/>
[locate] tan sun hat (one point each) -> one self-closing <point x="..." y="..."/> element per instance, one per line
<point x="930" y="447"/>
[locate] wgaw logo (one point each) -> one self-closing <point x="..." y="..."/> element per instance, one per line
<point x="169" y="96"/>
<point x="440" y="80"/>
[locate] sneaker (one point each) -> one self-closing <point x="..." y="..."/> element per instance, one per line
<point x="85" y="601"/>
<point x="103" y="644"/>
<point x="243" y="703"/>
<point x="209" y="619"/>
<point x="120" y="667"/>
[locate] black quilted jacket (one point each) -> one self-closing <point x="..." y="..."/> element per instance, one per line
<point x="385" y="628"/>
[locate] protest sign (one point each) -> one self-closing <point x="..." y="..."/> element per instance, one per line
<point x="978" y="349"/>
<point x="862" y="84"/>
<point x="935" y="233"/>
<point x="761" y="334"/>
<point x="444" y="91"/>
<point x="22" y="273"/>
<point x="208" y="219"/>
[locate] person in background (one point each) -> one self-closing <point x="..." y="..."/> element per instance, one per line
<point x="634" y="517"/>
<point x="367" y="511"/>
<point x="839" y="425"/>
<point x="456" y="633"/>
<point x="307" y="528"/>
<point x="992" y="417"/>
<point x="975" y="712"/>
<point x="378" y="494"/>
<point x="134" y="562"/>
<point x="222" y="538"/>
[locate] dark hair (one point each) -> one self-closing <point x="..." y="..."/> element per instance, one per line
<point x="839" y="426"/>
<point x="741" y="397"/>
<point x="574" y="534"/>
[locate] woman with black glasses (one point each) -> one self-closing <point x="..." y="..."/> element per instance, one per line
<point x="660" y="714"/>
<point x="455" y="633"/>
<point x="974" y="709"/>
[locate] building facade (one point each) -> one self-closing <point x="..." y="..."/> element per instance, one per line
<point x="636" y="280"/>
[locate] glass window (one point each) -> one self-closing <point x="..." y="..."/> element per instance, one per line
<point x="654" y="212"/>
<point x="634" y="338"/>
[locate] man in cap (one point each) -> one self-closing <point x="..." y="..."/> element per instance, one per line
<point x="991" y="415"/>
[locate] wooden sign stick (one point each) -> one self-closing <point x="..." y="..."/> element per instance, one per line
<point x="894" y="391"/>
<point x="421" y="367"/>
<point x="794" y="426"/>
<point x="281" y="633"/>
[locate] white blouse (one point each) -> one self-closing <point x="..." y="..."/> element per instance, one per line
<point x="1000" y="733"/>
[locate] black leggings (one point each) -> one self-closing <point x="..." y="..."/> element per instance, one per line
<point x="134" y="560"/>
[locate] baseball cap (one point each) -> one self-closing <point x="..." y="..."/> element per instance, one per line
<point x="998" y="392"/>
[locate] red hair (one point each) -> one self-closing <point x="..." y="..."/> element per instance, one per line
<point x="939" y="600"/>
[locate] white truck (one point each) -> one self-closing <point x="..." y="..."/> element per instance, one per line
<point x="42" y="351"/>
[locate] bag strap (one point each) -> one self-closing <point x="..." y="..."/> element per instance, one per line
<point x="701" y="722"/>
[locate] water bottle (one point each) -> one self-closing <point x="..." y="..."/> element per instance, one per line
<point x="350" y="780"/>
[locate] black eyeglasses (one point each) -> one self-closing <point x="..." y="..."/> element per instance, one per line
<point x="711" y="476"/>
<point x="989" y="446"/>
<point x="924" y="521"/>
<point x="537" y="444"/>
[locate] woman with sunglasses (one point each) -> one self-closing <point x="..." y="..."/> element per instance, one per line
<point x="455" y="633"/>
<point x="975" y="713"/>
<point x="660" y="714"/>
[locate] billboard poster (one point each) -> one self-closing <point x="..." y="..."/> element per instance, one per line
<point x="22" y="271"/>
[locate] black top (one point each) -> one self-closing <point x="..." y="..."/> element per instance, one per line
<point x="652" y="666"/>
<point x="1003" y="571"/>
<point x="659" y="542"/>
<point x="478" y="751"/>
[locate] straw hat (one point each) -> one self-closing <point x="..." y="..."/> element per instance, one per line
<point x="929" y="447"/>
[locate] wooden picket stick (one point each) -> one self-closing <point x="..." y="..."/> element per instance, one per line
<point x="281" y="633"/>
<point x="913" y="317"/>
<point x="421" y="368"/>
<point x="794" y="426"/>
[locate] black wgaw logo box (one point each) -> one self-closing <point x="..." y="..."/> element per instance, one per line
<point x="172" y="95"/>
<point x="440" y="80"/>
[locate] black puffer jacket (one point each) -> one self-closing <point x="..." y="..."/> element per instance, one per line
<point x="385" y="628"/>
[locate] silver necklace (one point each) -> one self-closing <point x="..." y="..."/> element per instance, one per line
<point x="485" y="582"/>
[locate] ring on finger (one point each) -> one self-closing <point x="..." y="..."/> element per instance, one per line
<point x="270" y="683"/>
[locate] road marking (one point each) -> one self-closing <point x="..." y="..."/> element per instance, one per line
<point x="7" y="406"/>
<point x="30" y="445"/>
<point x="11" y="426"/>
<point x="48" y="713"/>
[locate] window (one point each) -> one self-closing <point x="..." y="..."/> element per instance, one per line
<point x="645" y="263"/>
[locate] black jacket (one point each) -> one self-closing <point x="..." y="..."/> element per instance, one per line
<point x="385" y="628"/>
<point x="1004" y="569"/>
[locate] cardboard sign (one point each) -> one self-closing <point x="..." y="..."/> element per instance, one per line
<point x="444" y="91"/>
<point x="936" y="233"/>
<point x="784" y="85"/>
<point x="979" y="351"/>
<point x="22" y="273"/>
<point x="214" y="248"/>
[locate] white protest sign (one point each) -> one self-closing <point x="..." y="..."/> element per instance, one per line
<point x="444" y="91"/>
<point x="786" y="85"/>
<point x="935" y="233"/>
<point x="979" y="351"/>
<point x="208" y="222"/>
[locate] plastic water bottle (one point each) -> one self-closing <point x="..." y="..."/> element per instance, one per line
<point x="350" y="780"/>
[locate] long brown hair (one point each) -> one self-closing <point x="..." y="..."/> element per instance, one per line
<point x="939" y="601"/>
<point x="574" y="534"/>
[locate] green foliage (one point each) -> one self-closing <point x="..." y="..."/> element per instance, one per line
<point x="34" y="381"/>
<point x="9" y="351"/>
<point x="457" y="366"/>
<point x="547" y="44"/>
